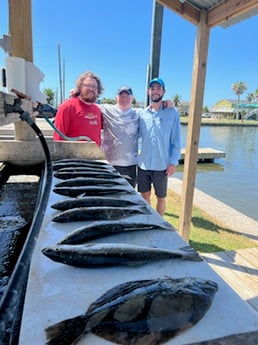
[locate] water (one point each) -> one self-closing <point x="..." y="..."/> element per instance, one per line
<point x="233" y="179"/>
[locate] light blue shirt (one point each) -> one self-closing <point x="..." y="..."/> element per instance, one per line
<point x="159" y="134"/>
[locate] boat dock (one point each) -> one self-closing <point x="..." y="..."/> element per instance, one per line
<point x="205" y="155"/>
<point x="238" y="268"/>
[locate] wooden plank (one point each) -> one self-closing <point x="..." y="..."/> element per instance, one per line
<point x="184" y="9"/>
<point x="239" y="270"/>
<point x="226" y="10"/>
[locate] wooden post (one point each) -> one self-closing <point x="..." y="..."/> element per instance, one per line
<point x="194" y="125"/>
<point x="20" y="30"/>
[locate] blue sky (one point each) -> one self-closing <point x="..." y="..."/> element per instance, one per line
<point x="112" y="39"/>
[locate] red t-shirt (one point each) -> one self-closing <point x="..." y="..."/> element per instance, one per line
<point x="75" y="118"/>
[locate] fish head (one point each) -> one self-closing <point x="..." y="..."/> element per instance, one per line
<point x="198" y="295"/>
<point x="181" y="303"/>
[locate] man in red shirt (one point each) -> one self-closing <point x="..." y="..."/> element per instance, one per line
<point x="79" y="117"/>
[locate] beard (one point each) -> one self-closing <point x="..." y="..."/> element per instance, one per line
<point x="89" y="97"/>
<point x="156" y="100"/>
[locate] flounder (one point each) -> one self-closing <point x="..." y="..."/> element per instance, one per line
<point x="141" y="312"/>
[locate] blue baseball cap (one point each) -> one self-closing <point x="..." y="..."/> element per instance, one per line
<point x="158" y="81"/>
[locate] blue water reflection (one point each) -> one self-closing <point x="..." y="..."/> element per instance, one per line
<point x="233" y="179"/>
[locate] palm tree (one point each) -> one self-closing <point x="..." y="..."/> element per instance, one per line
<point x="250" y="97"/>
<point x="256" y="95"/>
<point x="177" y="100"/>
<point x="50" y="95"/>
<point x="239" y="88"/>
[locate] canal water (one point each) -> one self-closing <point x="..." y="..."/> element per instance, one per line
<point x="233" y="179"/>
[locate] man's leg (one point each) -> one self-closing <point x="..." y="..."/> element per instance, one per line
<point x="161" y="206"/>
<point x="146" y="196"/>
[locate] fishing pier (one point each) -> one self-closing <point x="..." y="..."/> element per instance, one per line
<point x="204" y="155"/>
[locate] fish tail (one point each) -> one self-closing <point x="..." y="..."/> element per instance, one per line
<point x="66" y="332"/>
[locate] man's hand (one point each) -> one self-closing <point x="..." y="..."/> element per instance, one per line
<point x="168" y="104"/>
<point x="171" y="170"/>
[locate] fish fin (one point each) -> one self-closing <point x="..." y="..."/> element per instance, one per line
<point x="126" y="338"/>
<point x="190" y="254"/>
<point x="66" y="332"/>
<point x="83" y="195"/>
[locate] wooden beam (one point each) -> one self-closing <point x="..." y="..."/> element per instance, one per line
<point x="229" y="9"/>
<point x="185" y="10"/>
<point x="20" y="29"/>
<point x="194" y="125"/>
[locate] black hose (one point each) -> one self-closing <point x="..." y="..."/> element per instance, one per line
<point x="12" y="302"/>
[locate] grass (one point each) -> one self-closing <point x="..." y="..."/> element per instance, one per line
<point x="207" y="235"/>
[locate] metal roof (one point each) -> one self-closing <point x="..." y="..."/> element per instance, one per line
<point x="224" y="13"/>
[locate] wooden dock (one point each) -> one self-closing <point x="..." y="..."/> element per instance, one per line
<point x="240" y="270"/>
<point x="205" y="155"/>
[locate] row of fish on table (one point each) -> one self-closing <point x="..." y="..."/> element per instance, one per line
<point x="140" y="312"/>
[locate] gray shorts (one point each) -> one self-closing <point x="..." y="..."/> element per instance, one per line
<point x="159" y="179"/>
<point x="129" y="171"/>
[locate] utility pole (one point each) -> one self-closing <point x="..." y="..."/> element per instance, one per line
<point x="60" y="74"/>
<point x="156" y="35"/>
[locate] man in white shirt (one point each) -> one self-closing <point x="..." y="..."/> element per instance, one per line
<point x="120" y="134"/>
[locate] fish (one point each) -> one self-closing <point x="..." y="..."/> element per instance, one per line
<point x="90" y="190"/>
<point x="57" y="166"/>
<point x="140" y="312"/>
<point x="89" y="181"/>
<point x="93" y="255"/>
<point x="65" y="174"/>
<point x="97" y="213"/>
<point x="101" y="229"/>
<point x="90" y="201"/>
<point x="83" y="160"/>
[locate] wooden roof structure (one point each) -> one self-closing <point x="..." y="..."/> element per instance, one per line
<point x="205" y="14"/>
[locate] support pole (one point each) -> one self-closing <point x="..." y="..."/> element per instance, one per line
<point x="20" y="30"/>
<point x="156" y="35"/>
<point x="194" y="125"/>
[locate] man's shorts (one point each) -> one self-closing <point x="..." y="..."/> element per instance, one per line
<point x="159" y="179"/>
<point x="129" y="171"/>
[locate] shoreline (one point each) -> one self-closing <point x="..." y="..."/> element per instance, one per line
<point x="230" y="217"/>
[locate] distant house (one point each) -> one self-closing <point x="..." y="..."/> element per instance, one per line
<point x="183" y="108"/>
<point x="227" y="108"/>
<point x="224" y="108"/>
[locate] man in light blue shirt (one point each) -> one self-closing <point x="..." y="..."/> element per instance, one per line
<point x="159" y="133"/>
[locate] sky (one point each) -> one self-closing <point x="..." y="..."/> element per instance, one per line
<point x="113" y="40"/>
